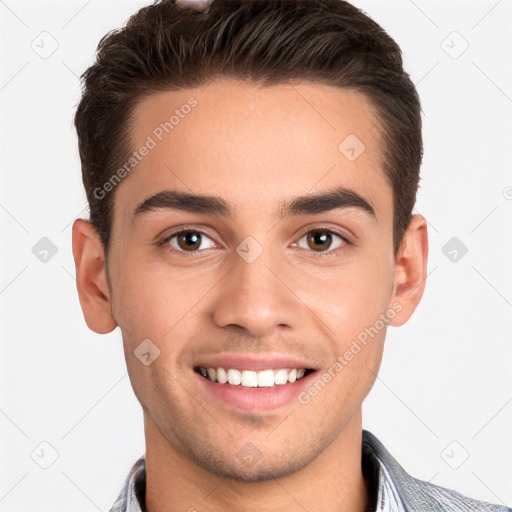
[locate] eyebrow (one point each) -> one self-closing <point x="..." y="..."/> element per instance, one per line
<point x="309" y="204"/>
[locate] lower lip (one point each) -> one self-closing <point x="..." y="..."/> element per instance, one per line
<point x="255" y="399"/>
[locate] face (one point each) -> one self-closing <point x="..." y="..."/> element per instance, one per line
<point x="265" y="279"/>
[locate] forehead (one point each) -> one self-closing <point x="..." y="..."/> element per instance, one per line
<point x="254" y="145"/>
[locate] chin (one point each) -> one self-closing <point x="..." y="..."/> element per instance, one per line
<point x="250" y="465"/>
<point x="260" y="473"/>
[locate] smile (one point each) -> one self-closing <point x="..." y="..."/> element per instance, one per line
<point x="253" y="378"/>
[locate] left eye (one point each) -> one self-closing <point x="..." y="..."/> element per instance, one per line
<point x="322" y="238"/>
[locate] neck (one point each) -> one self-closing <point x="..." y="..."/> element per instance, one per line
<point x="333" y="481"/>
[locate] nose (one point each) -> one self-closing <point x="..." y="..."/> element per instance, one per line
<point x="258" y="297"/>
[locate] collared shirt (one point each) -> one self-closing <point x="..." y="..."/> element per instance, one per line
<point x="394" y="488"/>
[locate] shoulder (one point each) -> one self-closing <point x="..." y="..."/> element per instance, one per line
<point x="418" y="495"/>
<point x="421" y="496"/>
<point x="132" y="495"/>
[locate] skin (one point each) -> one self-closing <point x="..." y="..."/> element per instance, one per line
<point x="253" y="147"/>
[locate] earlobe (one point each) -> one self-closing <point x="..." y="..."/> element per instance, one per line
<point x="91" y="278"/>
<point x="410" y="270"/>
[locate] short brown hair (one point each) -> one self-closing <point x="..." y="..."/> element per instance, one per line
<point x="165" y="47"/>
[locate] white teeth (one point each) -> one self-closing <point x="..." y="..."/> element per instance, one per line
<point x="281" y="377"/>
<point x="265" y="379"/>
<point x="234" y="377"/>
<point x="212" y="374"/>
<point x="251" y="378"/>
<point x="221" y="375"/>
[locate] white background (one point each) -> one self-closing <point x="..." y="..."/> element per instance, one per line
<point x="444" y="391"/>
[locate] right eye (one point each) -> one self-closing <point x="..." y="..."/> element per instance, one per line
<point x="187" y="241"/>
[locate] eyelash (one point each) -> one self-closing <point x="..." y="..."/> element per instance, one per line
<point x="165" y="241"/>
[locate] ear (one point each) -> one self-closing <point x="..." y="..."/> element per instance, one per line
<point x="91" y="278"/>
<point x="410" y="270"/>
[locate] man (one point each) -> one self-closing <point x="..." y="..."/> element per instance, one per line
<point x="221" y="148"/>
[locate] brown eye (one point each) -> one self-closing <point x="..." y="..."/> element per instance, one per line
<point x="320" y="240"/>
<point x="189" y="241"/>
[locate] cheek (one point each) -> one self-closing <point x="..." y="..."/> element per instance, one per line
<point x="153" y="301"/>
<point x="152" y="384"/>
<point x="350" y="298"/>
<point x="141" y="296"/>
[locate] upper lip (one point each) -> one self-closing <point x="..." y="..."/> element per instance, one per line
<point x="252" y="361"/>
